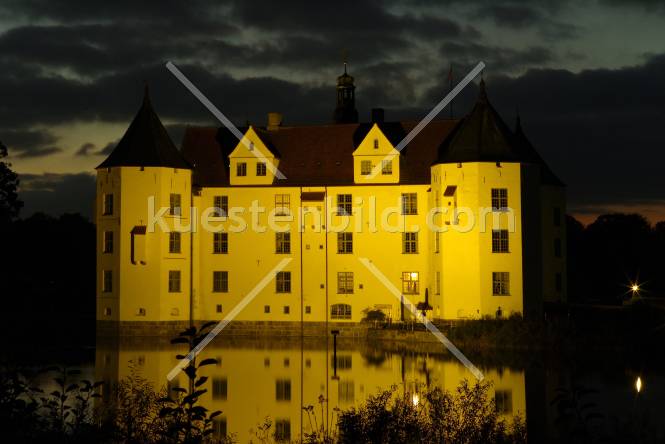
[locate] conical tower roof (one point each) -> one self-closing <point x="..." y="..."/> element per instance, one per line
<point x="547" y="176"/>
<point x="145" y="143"/>
<point x="481" y="136"/>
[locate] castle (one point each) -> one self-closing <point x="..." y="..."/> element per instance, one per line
<point x="466" y="221"/>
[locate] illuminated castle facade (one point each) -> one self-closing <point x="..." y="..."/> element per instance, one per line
<point x="466" y="221"/>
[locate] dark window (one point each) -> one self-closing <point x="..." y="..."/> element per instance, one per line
<point x="283" y="282"/>
<point x="344" y="243"/>
<point x="174" y="281"/>
<point x="260" y="168"/>
<point x="503" y="400"/>
<point x="107" y="281"/>
<point x="174" y="242"/>
<point x="220" y="281"/>
<point x="308" y="309"/>
<point x="409" y="203"/>
<point x="282" y="430"/>
<point x="241" y="169"/>
<point x="499" y="241"/>
<point x="500" y="283"/>
<point x="175" y="205"/>
<point x="344" y="204"/>
<point x="108" y="242"/>
<point x="108" y="205"/>
<point x="283" y="243"/>
<point x="365" y="167"/>
<point x="266" y="308"/>
<point x="340" y="311"/>
<point x="499" y="198"/>
<point x="410" y="243"/>
<point x="219" y="388"/>
<point x="221" y="204"/>
<point x="287" y="309"/>
<point x="283" y="390"/>
<point x="219" y="308"/>
<point x="220" y="243"/>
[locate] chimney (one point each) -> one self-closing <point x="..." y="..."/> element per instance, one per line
<point x="274" y="121"/>
<point x="378" y="115"/>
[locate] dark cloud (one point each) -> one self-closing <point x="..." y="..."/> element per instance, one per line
<point x="57" y="193"/>
<point x="523" y="16"/>
<point x="29" y="142"/>
<point x="86" y="149"/>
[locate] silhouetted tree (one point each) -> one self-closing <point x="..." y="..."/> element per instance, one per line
<point x="10" y="205"/>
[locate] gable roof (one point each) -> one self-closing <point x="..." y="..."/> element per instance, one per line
<point x="145" y="143"/>
<point x="315" y="155"/>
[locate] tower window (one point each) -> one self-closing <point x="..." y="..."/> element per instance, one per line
<point x="500" y="283"/>
<point x="220" y="243"/>
<point x="344" y="204"/>
<point x="220" y="281"/>
<point x="386" y="167"/>
<point x="107" y="281"/>
<point x="365" y="167"/>
<point x="221" y="204"/>
<point x="174" y="281"/>
<point x="283" y="282"/>
<point x="260" y="168"/>
<point x="409" y="203"/>
<point x="175" y="207"/>
<point x="108" y="242"/>
<point x="410" y="282"/>
<point x="174" y="242"/>
<point x="410" y="243"/>
<point x="345" y="282"/>
<point x="108" y="205"/>
<point x="340" y="311"/>
<point x="344" y="243"/>
<point x="282" y="204"/>
<point x="499" y="241"/>
<point x="283" y="243"/>
<point x="241" y="169"/>
<point x="499" y="199"/>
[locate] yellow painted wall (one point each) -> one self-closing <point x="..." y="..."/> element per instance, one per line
<point x="375" y="148"/>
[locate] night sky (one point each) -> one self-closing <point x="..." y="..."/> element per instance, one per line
<point x="589" y="80"/>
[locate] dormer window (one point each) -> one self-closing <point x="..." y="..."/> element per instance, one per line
<point x="260" y="168"/>
<point x="241" y="169"/>
<point x="386" y="167"/>
<point x="376" y="144"/>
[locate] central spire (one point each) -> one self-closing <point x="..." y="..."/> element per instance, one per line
<point x="345" y="112"/>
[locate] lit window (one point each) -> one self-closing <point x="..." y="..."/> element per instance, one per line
<point x="499" y="198"/>
<point x="386" y="167"/>
<point x="283" y="390"/>
<point x="108" y="205"/>
<point x="499" y="241"/>
<point x="410" y="282"/>
<point x="174" y="242"/>
<point x="241" y="169"/>
<point x="107" y="281"/>
<point x="410" y="243"/>
<point x="175" y="205"/>
<point x="282" y="204"/>
<point x="283" y="243"/>
<point x="344" y="204"/>
<point x="557" y="247"/>
<point x="221" y="204"/>
<point x="409" y="203"/>
<point x="108" y="242"/>
<point x="365" y="167"/>
<point x="340" y="311"/>
<point x="344" y="243"/>
<point x="345" y="282"/>
<point x="220" y="281"/>
<point x="220" y="388"/>
<point x="174" y="281"/>
<point x="220" y="243"/>
<point x="503" y="400"/>
<point x="283" y="282"/>
<point x="282" y="430"/>
<point x="500" y="283"/>
<point x="260" y="168"/>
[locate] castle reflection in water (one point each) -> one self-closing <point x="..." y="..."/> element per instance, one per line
<point x="255" y="379"/>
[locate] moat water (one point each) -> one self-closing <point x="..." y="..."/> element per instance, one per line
<point x="256" y="379"/>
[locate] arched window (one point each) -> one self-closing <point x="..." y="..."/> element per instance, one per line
<point x="340" y="311"/>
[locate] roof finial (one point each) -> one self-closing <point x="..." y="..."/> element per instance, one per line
<point x="345" y="57"/>
<point x="482" y="96"/>
<point x="146" y="92"/>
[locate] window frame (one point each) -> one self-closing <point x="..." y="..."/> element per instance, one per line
<point x="500" y="241"/>
<point x="221" y="205"/>
<point x="387" y="167"/>
<point x="175" y="204"/>
<point x="499" y="199"/>
<point x="282" y="204"/>
<point x="410" y="246"/>
<point x="107" y="205"/>
<point x="175" y="277"/>
<point x="409" y="284"/>
<point x="409" y="203"/>
<point x="341" y="311"/>
<point x="283" y="282"/>
<point x="345" y="282"/>
<point x="175" y="242"/>
<point x="261" y="169"/>
<point x="220" y="281"/>
<point x="366" y="167"/>
<point x="241" y="169"/>
<point x="344" y="204"/>
<point x="221" y="245"/>
<point x="107" y="281"/>
<point x="345" y="242"/>
<point x="107" y="241"/>
<point x="500" y="283"/>
<point x="283" y="242"/>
